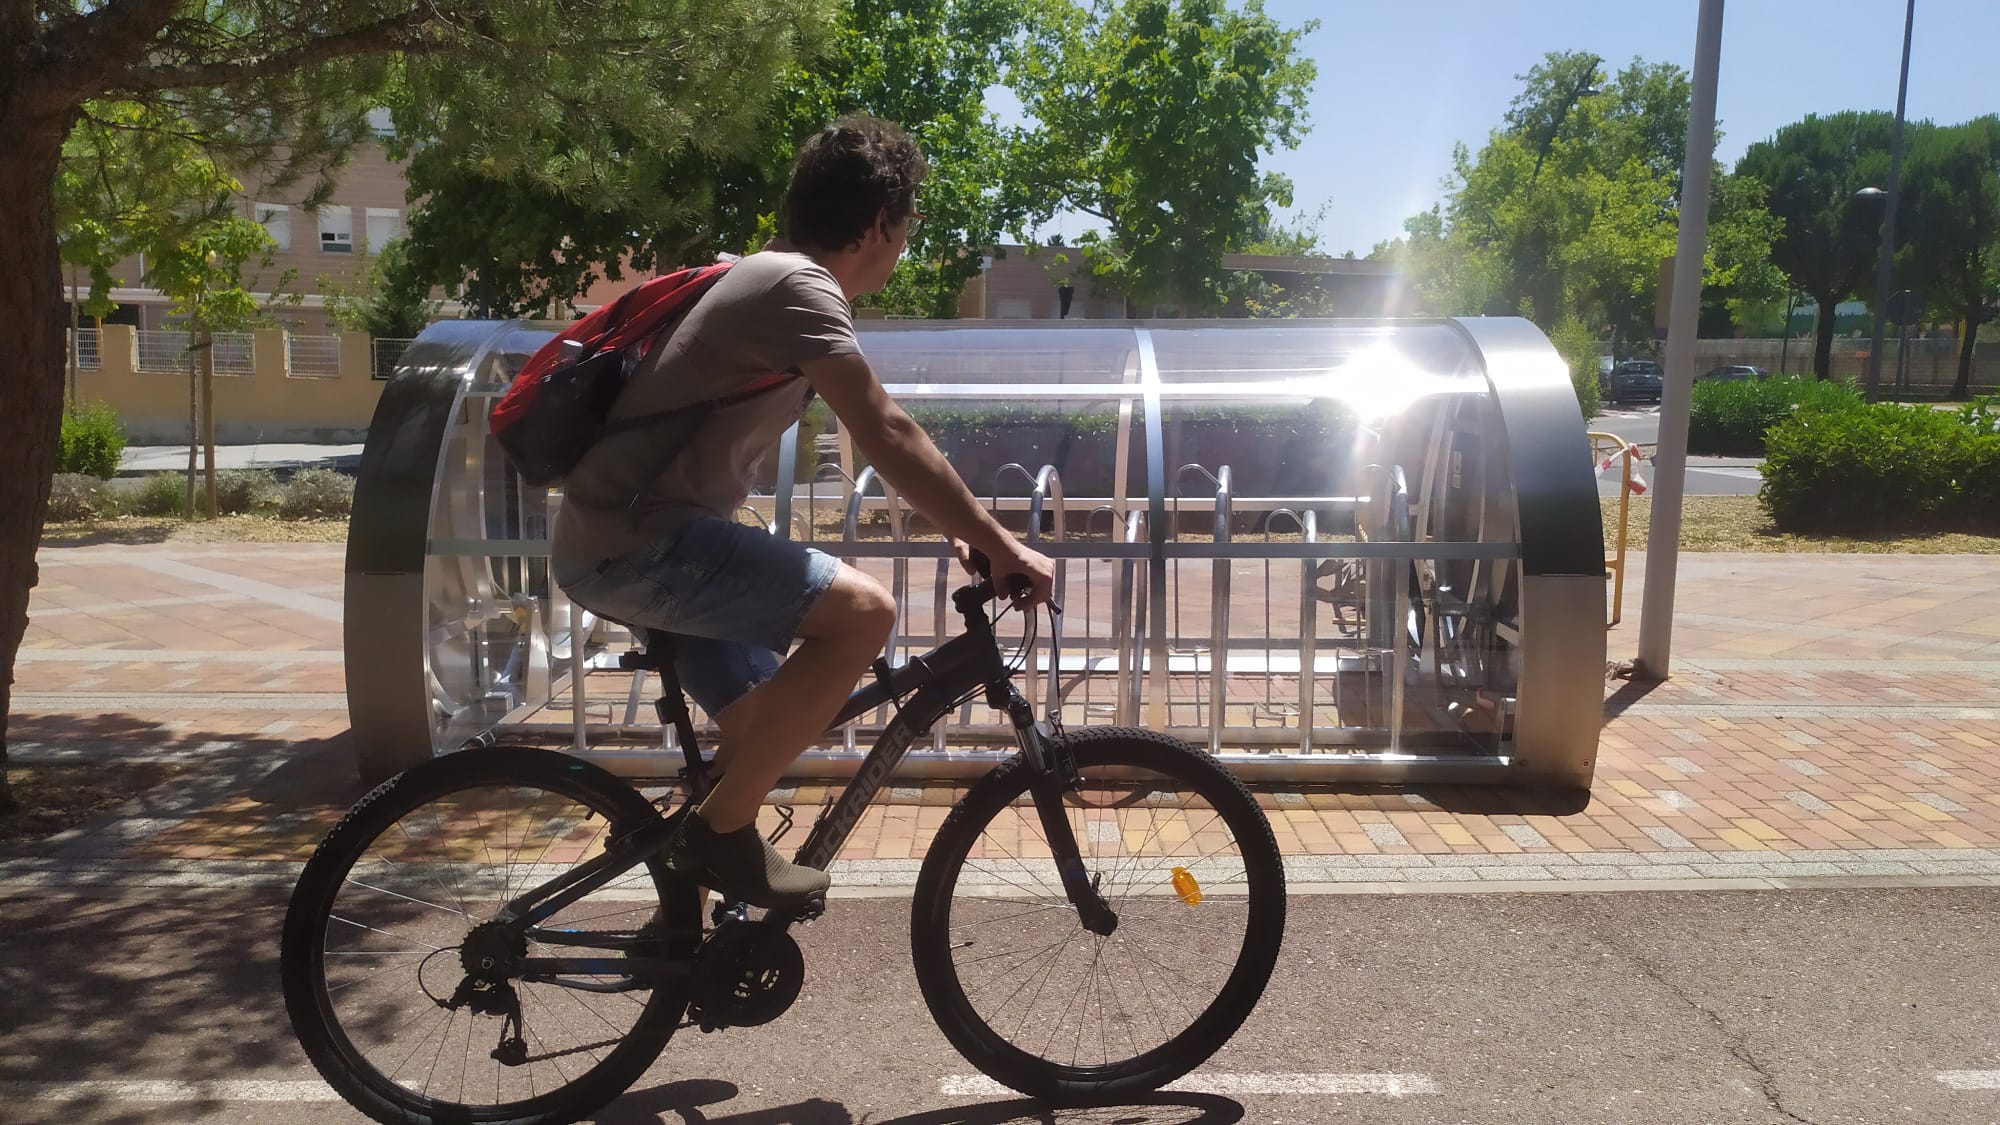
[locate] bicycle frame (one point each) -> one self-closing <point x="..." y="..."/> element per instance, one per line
<point x="933" y="683"/>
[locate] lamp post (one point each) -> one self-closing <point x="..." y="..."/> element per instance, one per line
<point x="1656" y="615"/>
<point x="1888" y="252"/>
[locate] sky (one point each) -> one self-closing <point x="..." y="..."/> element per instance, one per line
<point x="1400" y="83"/>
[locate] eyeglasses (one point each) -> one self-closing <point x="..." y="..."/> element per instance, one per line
<point x="916" y="224"/>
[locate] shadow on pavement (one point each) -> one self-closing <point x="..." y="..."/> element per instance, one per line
<point x="1492" y="800"/>
<point x="109" y="986"/>
<point x="689" y="1102"/>
<point x="74" y="536"/>
<point x="1628" y="693"/>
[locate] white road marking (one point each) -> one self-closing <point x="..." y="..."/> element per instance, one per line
<point x="1387" y="1085"/>
<point x="1970" y="1079"/>
<point x="139" y="1090"/>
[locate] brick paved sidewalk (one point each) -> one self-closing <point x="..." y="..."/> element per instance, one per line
<point x="1829" y="715"/>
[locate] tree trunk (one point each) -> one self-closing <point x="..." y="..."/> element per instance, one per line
<point x="1961" y="390"/>
<point x="1823" y="337"/>
<point x="194" y="417"/>
<point x="72" y="361"/>
<point x="31" y="370"/>
<point x="208" y="415"/>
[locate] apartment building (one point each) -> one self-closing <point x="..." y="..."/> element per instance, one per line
<point x="334" y="242"/>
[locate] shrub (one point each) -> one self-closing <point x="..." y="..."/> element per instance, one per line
<point x="91" y="442"/>
<point x="1577" y="344"/>
<point x="1880" y="468"/>
<point x="78" y="496"/>
<point x="317" y="494"/>
<point x="1730" y="419"/>
<point x="160" y="494"/>
<point x="244" y="490"/>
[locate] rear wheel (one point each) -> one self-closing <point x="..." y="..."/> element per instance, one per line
<point x="389" y="943"/>
<point x="1181" y="853"/>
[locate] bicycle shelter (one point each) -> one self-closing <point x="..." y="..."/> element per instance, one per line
<point x="1329" y="551"/>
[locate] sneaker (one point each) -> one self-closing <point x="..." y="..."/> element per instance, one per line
<point x="743" y="867"/>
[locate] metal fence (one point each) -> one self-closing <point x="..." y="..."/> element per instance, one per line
<point x="83" y="344"/>
<point x="388" y="352"/>
<point x="312" y="357"/>
<point x="1928" y="367"/>
<point x="162" y="349"/>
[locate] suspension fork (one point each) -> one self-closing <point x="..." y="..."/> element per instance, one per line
<point x="1054" y="773"/>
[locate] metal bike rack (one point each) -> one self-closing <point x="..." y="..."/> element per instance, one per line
<point x="1447" y="623"/>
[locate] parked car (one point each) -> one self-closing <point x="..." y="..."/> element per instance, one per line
<point x="1635" y="380"/>
<point x="1734" y="373"/>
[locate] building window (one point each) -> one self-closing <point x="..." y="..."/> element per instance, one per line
<point x="385" y="225"/>
<point x="336" y="230"/>
<point x="277" y="221"/>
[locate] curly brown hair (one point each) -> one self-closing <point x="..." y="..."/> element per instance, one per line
<point x="846" y="175"/>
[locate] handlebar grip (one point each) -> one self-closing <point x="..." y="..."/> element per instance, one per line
<point x="1017" y="584"/>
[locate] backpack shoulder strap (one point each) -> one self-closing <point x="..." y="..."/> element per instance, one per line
<point x="745" y="394"/>
<point x="658" y="302"/>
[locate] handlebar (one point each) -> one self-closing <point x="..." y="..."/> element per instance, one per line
<point x="1017" y="584"/>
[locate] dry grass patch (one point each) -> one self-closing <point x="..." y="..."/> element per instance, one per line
<point x="162" y="529"/>
<point x="1736" y="523"/>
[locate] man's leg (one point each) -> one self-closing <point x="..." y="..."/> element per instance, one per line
<point x="770" y="726"/>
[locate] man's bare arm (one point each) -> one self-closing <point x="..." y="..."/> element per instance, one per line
<point x="901" y="451"/>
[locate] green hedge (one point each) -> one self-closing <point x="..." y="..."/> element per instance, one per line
<point x="158" y="494"/>
<point x="91" y="442"/>
<point x="1730" y="419"/>
<point x="1578" y="346"/>
<point x="1884" y="467"/>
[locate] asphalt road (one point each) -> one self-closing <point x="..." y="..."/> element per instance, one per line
<point x="1863" y="1006"/>
<point x="1706" y="476"/>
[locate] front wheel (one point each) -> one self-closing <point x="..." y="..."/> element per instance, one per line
<point x="1181" y="853"/>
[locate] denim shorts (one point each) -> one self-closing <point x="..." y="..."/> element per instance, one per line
<point x="733" y="595"/>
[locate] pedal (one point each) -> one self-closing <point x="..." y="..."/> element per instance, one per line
<point x="784" y="823"/>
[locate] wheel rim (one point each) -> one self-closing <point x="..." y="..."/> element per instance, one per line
<point x="392" y="935"/>
<point x="1049" y="997"/>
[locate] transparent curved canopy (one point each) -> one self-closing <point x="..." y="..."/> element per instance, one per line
<point x="1313" y="535"/>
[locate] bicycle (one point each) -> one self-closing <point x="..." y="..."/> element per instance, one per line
<point x="1085" y="850"/>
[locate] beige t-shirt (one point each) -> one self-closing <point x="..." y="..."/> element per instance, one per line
<point x="770" y="313"/>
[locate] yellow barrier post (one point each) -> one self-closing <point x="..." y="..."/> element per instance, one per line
<point x="1615" y="565"/>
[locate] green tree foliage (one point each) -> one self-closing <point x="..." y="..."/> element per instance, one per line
<point x="529" y="240"/>
<point x="1577" y="345"/>
<point x="1827" y="238"/>
<point x="524" y="195"/>
<point x="374" y="303"/>
<point x="1950" y="224"/>
<point x="1570" y="207"/>
<point x="201" y="274"/>
<point x="283" y="88"/>
<point x="1150" y="115"/>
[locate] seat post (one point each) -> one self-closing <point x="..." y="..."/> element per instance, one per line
<point x="671" y="706"/>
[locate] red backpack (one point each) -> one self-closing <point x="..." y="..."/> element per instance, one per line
<point x="557" y="406"/>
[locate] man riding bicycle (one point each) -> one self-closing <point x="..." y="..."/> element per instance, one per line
<point x="654" y="545"/>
